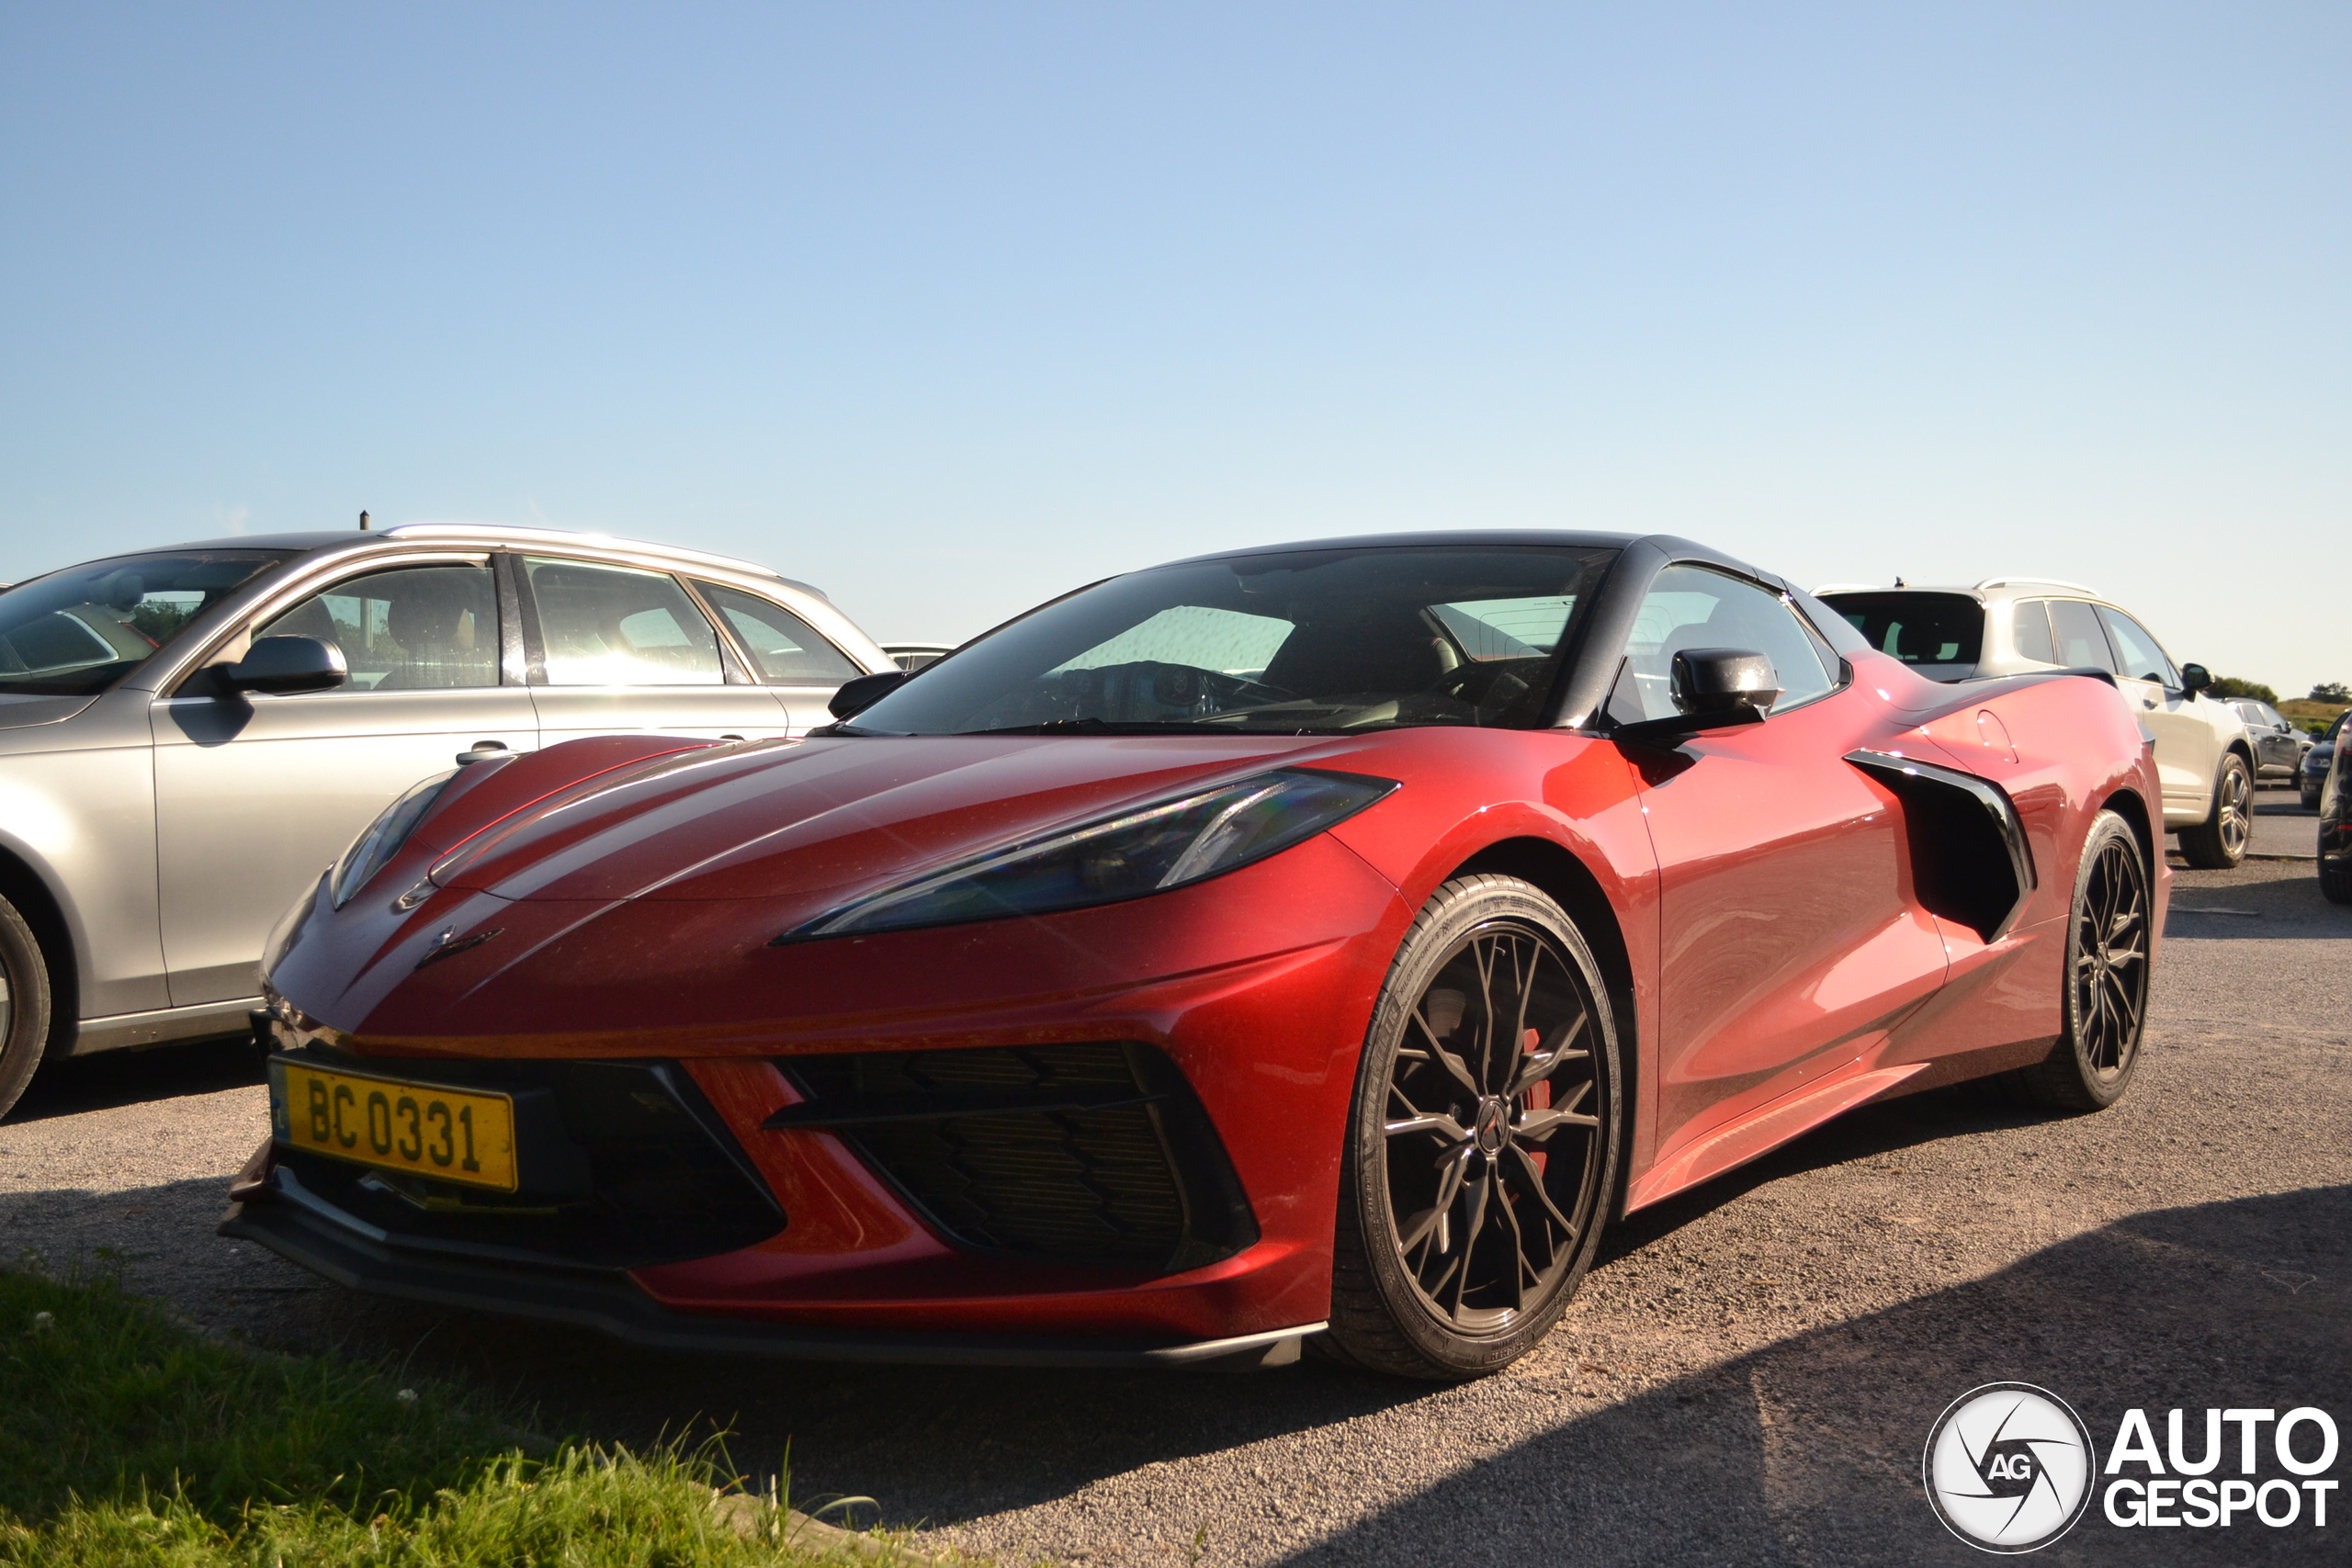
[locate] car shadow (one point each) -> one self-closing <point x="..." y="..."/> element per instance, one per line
<point x="2239" y="910"/>
<point x="115" y="1078"/>
<point x="1809" y="1449"/>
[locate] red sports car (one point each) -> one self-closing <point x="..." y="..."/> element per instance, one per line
<point x="1317" y="944"/>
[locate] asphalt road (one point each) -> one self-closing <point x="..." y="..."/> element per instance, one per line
<point x="1748" y="1376"/>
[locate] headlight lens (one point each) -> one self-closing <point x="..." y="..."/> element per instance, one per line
<point x="1146" y="850"/>
<point x="383" y="840"/>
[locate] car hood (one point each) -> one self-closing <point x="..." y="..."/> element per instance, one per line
<point x="19" y="710"/>
<point x="822" y="821"/>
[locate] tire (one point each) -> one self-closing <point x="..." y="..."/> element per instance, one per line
<point x="1454" y="1260"/>
<point x="2335" y="875"/>
<point x="2104" y="1007"/>
<point x="24" y="1005"/>
<point x="2218" y="842"/>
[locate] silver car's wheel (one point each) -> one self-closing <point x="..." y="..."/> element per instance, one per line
<point x="2220" y="841"/>
<point x="24" y="1005"/>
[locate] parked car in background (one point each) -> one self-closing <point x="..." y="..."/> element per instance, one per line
<point x="913" y="656"/>
<point x="2335" y="830"/>
<point x="188" y="734"/>
<point x="2014" y="625"/>
<point x="2279" y="743"/>
<point x="2314" y="773"/>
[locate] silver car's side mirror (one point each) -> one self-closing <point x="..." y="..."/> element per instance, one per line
<point x="282" y="666"/>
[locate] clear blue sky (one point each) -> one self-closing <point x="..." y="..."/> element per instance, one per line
<point x="949" y="307"/>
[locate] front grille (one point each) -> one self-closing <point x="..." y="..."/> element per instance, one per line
<point x="623" y="1165"/>
<point x="1096" y="1153"/>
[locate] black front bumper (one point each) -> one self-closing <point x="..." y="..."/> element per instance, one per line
<point x="303" y="1228"/>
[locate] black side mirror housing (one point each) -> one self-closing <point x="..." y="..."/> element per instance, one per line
<point x="282" y="666"/>
<point x="856" y="696"/>
<point x="1716" y="688"/>
<point x="2195" y="678"/>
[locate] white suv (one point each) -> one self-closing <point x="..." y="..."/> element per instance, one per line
<point x="2021" y="626"/>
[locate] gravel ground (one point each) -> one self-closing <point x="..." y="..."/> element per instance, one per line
<point x="1747" y="1377"/>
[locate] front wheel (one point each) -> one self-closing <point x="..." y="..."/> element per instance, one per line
<point x="2106" y="1001"/>
<point x="24" y="1005"/>
<point x="1483" y="1141"/>
<point x="2218" y="842"/>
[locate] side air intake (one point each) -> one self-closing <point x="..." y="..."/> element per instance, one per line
<point x="1969" y="855"/>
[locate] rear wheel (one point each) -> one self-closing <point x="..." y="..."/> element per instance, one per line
<point x="2218" y="842"/>
<point x="1483" y="1140"/>
<point x="2105" y="1004"/>
<point x="2335" y="875"/>
<point x="24" y="1005"/>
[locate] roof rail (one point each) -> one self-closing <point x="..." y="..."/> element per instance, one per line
<point x="2035" y="582"/>
<point x="573" y="537"/>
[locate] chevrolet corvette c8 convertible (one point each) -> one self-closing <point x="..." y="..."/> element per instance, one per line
<point x="1316" y="945"/>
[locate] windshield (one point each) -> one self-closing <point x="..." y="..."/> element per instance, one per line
<point x="75" y="631"/>
<point x="1918" y="628"/>
<point x="1307" y="642"/>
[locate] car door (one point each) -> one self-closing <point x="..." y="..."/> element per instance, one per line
<point x="256" y="794"/>
<point x="791" y="658"/>
<point x="2187" y="729"/>
<point x="1789" y="941"/>
<point x="616" y="647"/>
<point x="2274" y="737"/>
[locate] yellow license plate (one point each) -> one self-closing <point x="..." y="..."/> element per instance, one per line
<point x="448" y="1135"/>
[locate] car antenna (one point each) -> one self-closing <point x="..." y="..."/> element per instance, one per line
<point x="1898" y="580"/>
<point x="363" y="522"/>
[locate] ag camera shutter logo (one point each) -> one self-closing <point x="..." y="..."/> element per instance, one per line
<point x="2008" y="1467"/>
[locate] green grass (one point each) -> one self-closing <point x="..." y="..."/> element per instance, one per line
<point x="127" y="1438"/>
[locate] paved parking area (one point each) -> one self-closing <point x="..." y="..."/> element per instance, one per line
<point x="1748" y="1376"/>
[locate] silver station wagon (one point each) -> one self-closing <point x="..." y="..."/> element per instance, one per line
<point x="187" y="736"/>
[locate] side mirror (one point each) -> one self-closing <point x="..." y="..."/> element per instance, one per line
<point x="1716" y="688"/>
<point x="856" y="696"/>
<point x="1711" y="682"/>
<point x="282" y="666"/>
<point x="2195" y="678"/>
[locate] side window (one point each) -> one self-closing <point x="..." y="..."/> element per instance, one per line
<point x="410" y="628"/>
<point x="612" y="626"/>
<point x="2081" y="644"/>
<point x="1690" y="606"/>
<point x="786" y="648"/>
<point x="2032" y="631"/>
<point x="2142" y="660"/>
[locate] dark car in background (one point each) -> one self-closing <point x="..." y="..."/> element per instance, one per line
<point x="2314" y="773"/>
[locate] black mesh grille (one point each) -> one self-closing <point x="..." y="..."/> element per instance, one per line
<point x="623" y="1165"/>
<point x="1095" y="1152"/>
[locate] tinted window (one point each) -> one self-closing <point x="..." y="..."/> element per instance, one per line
<point x="1918" y="628"/>
<point x="75" y="631"/>
<point x="1690" y="606"/>
<point x="2081" y="644"/>
<point x="786" y="649"/>
<point x="1309" y="641"/>
<point x="611" y="626"/>
<point x="408" y="629"/>
<point x="2030" y="631"/>
<point x="2142" y="660"/>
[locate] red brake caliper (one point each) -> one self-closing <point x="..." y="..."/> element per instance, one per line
<point x="1539" y="1095"/>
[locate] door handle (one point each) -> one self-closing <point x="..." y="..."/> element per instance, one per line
<point x="483" y="751"/>
<point x="730" y="738"/>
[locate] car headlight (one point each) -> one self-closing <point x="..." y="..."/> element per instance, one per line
<point x="1149" y="849"/>
<point x="383" y="840"/>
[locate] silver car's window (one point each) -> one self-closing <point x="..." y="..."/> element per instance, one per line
<point x="75" y="631"/>
<point x="2081" y="644"/>
<point x="786" y="649"/>
<point x="1690" y="606"/>
<point x="612" y="626"/>
<point x="411" y="628"/>
<point x="1918" y="627"/>
<point x="2032" y="631"/>
<point x="2142" y="660"/>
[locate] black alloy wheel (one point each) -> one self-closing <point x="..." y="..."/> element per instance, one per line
<point x="2105" y="1004"/>
<point x="24" y="1005"/>
<point x="1483" y="1138"/>
<point x="2220" y="841"/>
